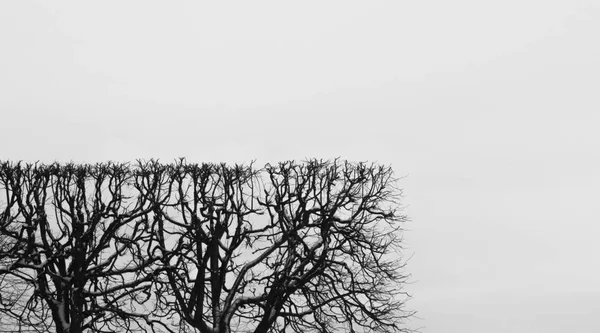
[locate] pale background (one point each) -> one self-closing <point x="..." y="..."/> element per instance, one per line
<point x="488" y="109"/>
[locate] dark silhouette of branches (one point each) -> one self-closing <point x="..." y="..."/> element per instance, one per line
<point x="210" y="248"/>
<point x="305" y="247"/>
<point x="75" y="235"/>
<point x="16" y="311"/>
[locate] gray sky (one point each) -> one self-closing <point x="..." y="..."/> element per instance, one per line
<point x="490" y="109"/>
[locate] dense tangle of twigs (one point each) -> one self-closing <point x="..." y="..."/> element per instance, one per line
<point x="182" y="247"/>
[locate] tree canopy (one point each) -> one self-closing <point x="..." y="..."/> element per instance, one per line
<point x="209" y="248"/>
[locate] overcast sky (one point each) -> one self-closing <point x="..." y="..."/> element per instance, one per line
<point x="489" y="110"/>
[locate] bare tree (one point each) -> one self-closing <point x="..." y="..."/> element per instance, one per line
<point x="74" y="240"/>
<point x="305" y="247"/>
<point x="205" y="248"/>
<point x="17" y="312"/>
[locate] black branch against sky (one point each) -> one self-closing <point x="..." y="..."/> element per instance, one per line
<point x="209" y="248"/>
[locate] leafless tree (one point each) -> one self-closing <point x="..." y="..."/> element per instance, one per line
<point x="211" y="248"/>
<point x="74" y="241"/>
<point x="15" y="309"/>
<point x="289" y="248"/>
